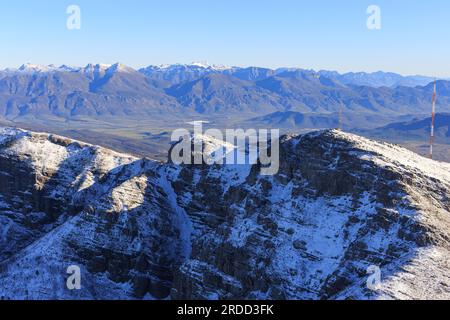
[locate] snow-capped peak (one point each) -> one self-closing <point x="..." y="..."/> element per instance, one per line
<point x="29" y="67"/>
<point x="108" y="68"/>
<point x="200" y="64"/>
<point x="202" y="67"/>
<point x="119" y="67"/>
<point x="99" y="68"/>
<point x="66" y="68"/>
<point x="206" y="65"/>
<point x="164" y="66"/>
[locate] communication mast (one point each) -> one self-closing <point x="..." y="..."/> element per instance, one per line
<point x="433" y="115"/>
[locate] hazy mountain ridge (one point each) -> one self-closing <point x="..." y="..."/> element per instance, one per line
<point x="117" y="90"/>
<point x="378" y="79"/>
<point x="295" y="121"/>
<point x="415" y="129"/>
<point x="140" y="229"/>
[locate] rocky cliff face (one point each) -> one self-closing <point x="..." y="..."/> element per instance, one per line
<point x="139" y="229"/>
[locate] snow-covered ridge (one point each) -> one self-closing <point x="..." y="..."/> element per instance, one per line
<point x="117" y="67"/>
<point x="202" y="67"/>
<point x="35" y="68"/>
<point x="27" y="138"/>
<point x="7" y="134"/>
<point x="387" y="154"/>
<point x="140" y="229"/>
<point x="30" y="68"/>
<point x="206" y="65"/>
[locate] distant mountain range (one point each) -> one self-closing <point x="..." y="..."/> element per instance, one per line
<point x="181" y="73"/>
<point x="416" y="129"/>
<point x="292" y="121"/>
<point x="378" y="79"/>
<point x="104" y="91"/>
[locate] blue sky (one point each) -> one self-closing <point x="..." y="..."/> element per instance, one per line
<point x="319" y="34"/>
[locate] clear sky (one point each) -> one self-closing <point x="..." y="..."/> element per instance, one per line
<point x="317" y="34"/>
